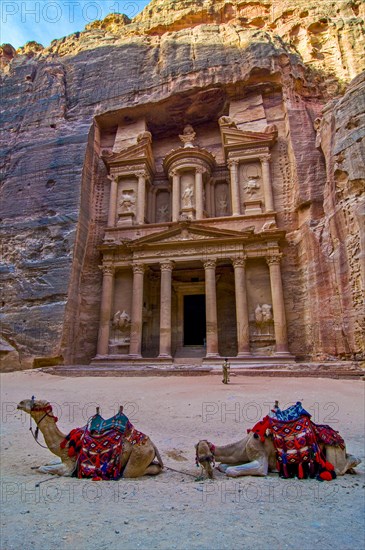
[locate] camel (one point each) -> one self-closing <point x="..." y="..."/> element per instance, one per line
<point x="136" y="460"/>
<point x="252" y="457"/>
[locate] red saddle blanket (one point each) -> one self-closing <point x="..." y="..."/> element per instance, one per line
<point x="99" y="456"/>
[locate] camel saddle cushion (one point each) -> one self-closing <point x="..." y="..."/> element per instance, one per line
<point x="99" y="457"/>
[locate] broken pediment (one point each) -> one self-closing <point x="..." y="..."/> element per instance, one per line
<point x="234" y="140"/>
<point x="126" y="159"/>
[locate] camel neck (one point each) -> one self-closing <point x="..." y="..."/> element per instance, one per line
<point x="52" y="435"/>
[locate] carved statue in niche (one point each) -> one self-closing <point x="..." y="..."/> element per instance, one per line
<point x="187" y="196"/>
<point x="127" y="202"/>
<point x="263" y="318"/>
<point x="121" y="323"/>
<point x="252" y="185"/>
<point x="222" y="204"/>
<point x="188" y="136"/>
<point x="163" y="213"/>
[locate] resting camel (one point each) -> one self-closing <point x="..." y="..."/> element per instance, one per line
<point x="252" y="457"/>
<point x="137" y="460"/>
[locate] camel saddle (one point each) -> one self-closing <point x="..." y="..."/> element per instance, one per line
<point x="98" y="446"/>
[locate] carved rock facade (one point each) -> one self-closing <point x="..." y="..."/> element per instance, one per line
<point x="172" y="173"/>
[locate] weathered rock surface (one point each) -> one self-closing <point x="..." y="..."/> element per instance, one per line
<point x="53" y="206"/>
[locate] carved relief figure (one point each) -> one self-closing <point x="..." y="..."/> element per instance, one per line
<point x="187" y="196"/>
<point x="258" y="314"/>
<point x="127" y="202"/>
<point x="266" y="312"/>
<point x="121" y="322"/>
<point x="163" y="213"/>
<point x="252" y="185"/>
<point x="188" y="136"/>
<point x="222" y="203"/>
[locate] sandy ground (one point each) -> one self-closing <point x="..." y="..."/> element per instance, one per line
<point x="173" y="510"/>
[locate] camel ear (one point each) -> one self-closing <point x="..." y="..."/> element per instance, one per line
<point x="196" y="445"/>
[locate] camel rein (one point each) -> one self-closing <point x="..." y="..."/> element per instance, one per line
<point x="35" y="434"/>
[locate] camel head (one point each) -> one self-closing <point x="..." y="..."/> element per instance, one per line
<point x="205" y="456"/>
<point x="34" y="406"/>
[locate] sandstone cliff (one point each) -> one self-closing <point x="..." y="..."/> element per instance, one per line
<point x="53" y="206"/>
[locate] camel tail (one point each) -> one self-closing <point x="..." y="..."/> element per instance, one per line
<point x="158" y="456"/>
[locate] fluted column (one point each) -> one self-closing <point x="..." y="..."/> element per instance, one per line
<point x="141" y="202"/>
<point x="112" y="201"/>
<point x="137" y="311"/>
<point x="105" y="309"/>
<point x="266" y="180"/>
<point x="278" y="306"/>
<point x="165" y="309"/>
<point x="199" y="192"/>
<point x="211" y="309"/>
<point x="235" y="191"/>
<point x="243" y="333"/>
<point x="175" y="195"/>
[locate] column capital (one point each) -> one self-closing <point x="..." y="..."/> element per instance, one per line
<point x="200" y="170"/>
<point x="210" y="263"/>
<point x="107" y="269"/>
<point x="232" y="163"/>
<point x="274" y="259"/>
<point x="239" y="262"/>
<point x="174" y="172"/>
<point x="138" y="268"/>
<point x="265" y="158"/>
<point x="141" y="174"/>
<point x="113" y="178"/>
<point x="167" y="265"/>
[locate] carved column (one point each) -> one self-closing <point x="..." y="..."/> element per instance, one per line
<point x="211" y="309"/>
<point x="112" y="201"/>
<point x="199" y="192"/>
<point x="137" y="311"/>
<point x="141" y="201"/>
<point x="278" y="307"/>
<point x="165" y="310"/>
<point x="175" y="195"/>
<point x="235" y="191"/>
<point x="243" y="333"/>
<point x="105" y="309"/>
<point x="266" y="180"/>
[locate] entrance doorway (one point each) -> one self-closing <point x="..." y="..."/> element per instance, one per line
<point x="194" y="320"/>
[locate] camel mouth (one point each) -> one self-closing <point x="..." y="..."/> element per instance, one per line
<point x="203" y="459"/>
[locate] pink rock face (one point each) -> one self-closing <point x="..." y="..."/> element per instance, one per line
<point x="174" y="65"/>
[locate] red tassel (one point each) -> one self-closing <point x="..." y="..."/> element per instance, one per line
<point x="329" y="466"/>
<point x="97" y="461"/>
<point x="326" y="476"/>
<point x="96" y="478"/>
<point x="71" y="452"/>
<point x="300" y="471"/>
<point x="63" y="443"/>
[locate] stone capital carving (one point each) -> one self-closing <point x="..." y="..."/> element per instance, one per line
<point x="144" y="135"/>
<point x="210" y="263"/>
<point x="232" y="163"/>
<point x="138" y="269"/>
<point x="113" y="178"/>
<point x="239" y="262"/>
<point x="173" y="173"/>
<point x="141" y="174"/>
<point x="167" y="266"/>
<point x="265" y="158"/>
<point x="273" y="260"/>
<point x="107" y="269"/>
<point x="200" y="170"/>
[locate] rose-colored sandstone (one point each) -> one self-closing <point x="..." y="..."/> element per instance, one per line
<point x="279" y="69"/>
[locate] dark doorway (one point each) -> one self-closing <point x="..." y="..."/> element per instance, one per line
<point x="194" y="320"/>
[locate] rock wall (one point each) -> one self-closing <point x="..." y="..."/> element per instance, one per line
<point x="53" y="202"/>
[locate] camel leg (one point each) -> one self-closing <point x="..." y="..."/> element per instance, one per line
<point x="341" y="461"/>
<point x="254" y="468"/>
<point x="153" y="470"/>
<point x="56" y="469"/>
<point x="139" y="461"/>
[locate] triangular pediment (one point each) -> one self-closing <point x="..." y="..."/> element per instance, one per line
<point x="184" y="234"/>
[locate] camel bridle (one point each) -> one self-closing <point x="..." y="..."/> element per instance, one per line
<point x="47" y="409"/>
<point x="207" y="458"/>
